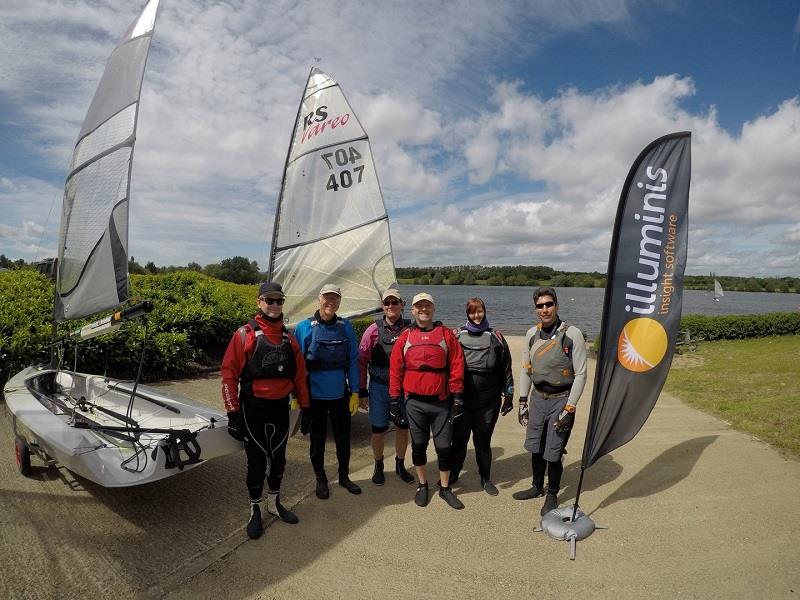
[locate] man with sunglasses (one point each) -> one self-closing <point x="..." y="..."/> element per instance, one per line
<point x="373" y="359"/>
<point x="263" y="364"/>
<point x="554" y="363"/>
<point x="330" y="347"/>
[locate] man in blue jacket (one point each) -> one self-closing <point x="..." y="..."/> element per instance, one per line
<point x="330" y="347"/>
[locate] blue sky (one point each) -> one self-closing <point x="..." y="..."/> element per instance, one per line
<point x="502" y="131"/>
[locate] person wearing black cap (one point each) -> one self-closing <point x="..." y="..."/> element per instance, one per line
<point x="330" y="347"/>
<point x="262" y="366"/>
<point x="554" y="364"/>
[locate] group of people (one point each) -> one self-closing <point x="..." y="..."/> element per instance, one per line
<point x="429" y="381"/>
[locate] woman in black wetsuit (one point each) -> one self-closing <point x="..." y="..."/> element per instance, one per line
<point x="487" y="380"/>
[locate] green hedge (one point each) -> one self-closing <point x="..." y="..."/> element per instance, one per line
<point x="737" y="327"/>
<point x="188" y="330"/>
<point x="189" y="327"/>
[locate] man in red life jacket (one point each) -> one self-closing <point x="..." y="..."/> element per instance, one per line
<point x="262" y="366"/>
<point x="428" y="365"/>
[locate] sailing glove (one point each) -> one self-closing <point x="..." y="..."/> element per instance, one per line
<point x="236" y="425"/>
<point x="566" y="419"/>
<point x="523" y="412"/>
<point x="508" y="405"/>
<point x="458" y="408"/>
<point x="305" y="421"/>
<point x="353" y="404"/>
<point x="395" y="414"/>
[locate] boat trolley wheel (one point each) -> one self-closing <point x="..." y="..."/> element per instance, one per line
<point x="23" y="455"/>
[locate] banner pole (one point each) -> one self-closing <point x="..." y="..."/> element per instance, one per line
<point x="578" y="494"/>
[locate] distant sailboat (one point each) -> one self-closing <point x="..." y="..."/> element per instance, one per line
<point x="718" y="293"/>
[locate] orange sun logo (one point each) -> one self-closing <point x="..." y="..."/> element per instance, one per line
<point x="642" y="344"/>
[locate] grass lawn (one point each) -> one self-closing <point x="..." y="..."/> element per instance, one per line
<point x="752" y="384"/>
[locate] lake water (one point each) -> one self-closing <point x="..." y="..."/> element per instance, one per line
<point x="510" y="309"/>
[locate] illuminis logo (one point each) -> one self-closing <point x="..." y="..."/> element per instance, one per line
<point x="642" y="344"/>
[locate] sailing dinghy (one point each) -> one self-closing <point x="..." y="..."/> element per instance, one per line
<point x="718" y="293"/>
<point x="331" y="224"/>
<point x="111" y="432"/>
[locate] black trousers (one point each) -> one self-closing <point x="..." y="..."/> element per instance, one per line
<point x="479" y="422"/>
<point x="267" y="426"/>
<point x="339" y="412"/>
<point x="426" y="417"/>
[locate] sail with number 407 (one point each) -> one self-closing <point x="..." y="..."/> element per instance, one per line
<point x="331" y="224"/>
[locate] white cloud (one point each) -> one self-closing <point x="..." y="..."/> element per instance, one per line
<point x="467" y="178"/>
<point x="582" y="145"/>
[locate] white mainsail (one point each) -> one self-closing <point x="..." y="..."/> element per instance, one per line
<point x="93" y="239"/>
<point x="718" y="293"/>
<point x="331" y="223"/>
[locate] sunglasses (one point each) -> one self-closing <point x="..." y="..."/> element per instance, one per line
<point x="271" y="301"/>
<point x="391" y="302"/>
<point x="547" y="304"/>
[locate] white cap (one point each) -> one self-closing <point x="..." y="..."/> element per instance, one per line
<point x="423" y="296"/>
<point x="391" y="292"/>
<point x="330" y="288"/>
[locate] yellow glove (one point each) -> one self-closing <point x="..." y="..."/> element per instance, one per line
<point x="294" y="405"/>
<point x="353" y="404"/>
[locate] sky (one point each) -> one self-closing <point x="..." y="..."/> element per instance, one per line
<point x="502" y="131"/>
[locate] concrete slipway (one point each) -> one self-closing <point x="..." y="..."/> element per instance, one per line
<point x="694" y="510"/>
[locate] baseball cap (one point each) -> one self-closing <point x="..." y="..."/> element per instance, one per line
<point x="270" y="289"/>
<point x="330" y="288"/>
<point x="391" y="292"/>
<point x="423" y="296"/>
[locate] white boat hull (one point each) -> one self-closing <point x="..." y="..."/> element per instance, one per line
<point x="88" y="437"/>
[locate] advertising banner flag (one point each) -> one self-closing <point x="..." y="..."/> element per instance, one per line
<point x="642" y="308"/>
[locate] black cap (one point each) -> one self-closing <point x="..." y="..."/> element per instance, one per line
<point x="270" y="289"/>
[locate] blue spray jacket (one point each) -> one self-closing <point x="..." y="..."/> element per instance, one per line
<point x="327" y="383"/>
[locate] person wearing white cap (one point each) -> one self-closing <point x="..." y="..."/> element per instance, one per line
<point x="427" y="364"/>
<point x="330" y="347"/>
<point x="373" y="358"/>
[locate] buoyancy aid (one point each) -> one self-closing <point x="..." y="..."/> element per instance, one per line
<point x="480" y="351"/>
<point x="426" y="350"/>
<point x="268" y="361"/>
<point x="551" y="359"/>
<point x="329" y="348"/>
<point x="382" y="350"/>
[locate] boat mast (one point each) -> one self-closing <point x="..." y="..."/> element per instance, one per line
<point x="276" y="224"/>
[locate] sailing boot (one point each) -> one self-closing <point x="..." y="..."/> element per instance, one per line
<point x="421" y="497"/>
<point x="274" y="507"/>
<point x="489" y="487"/>
<point x="446" y="494"/>
<point x="550" y="502"/>
<point x="377" y="474"/>
<point x="322" y="491"/>
<point x="254" y="526"/>
<point x="344" y="481"/>
<point x="535" y="491"/>
<point x="400" y="469"/>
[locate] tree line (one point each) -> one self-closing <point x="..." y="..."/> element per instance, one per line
<point x="239" y="269"/>
<point x="522" y="275"/>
